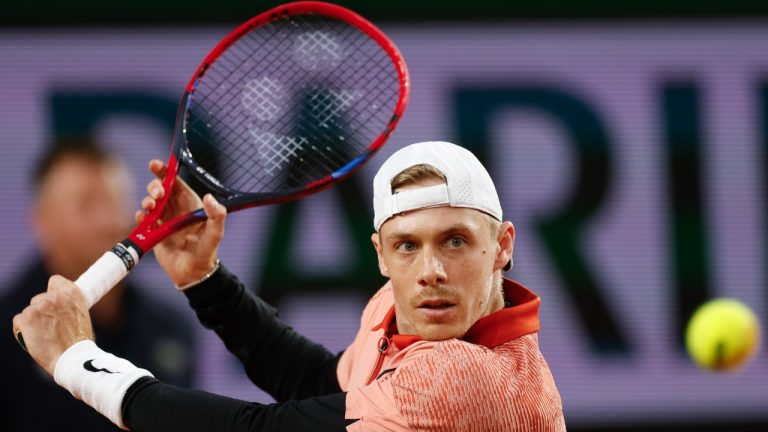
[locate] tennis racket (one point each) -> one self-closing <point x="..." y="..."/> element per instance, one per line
<point x="291" y="102"/>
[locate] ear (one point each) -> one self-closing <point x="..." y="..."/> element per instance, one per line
<point x="383" y="269"/>
<point x="506" y="239"/>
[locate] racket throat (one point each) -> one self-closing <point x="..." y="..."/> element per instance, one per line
<point x="128" y="252"/>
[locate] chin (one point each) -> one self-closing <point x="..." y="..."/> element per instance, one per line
<point x="440" y="332"/>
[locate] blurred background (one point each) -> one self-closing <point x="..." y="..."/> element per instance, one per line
<point x="628" y="141"/>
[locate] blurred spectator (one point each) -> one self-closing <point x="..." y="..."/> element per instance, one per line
<point x="83" y="206"/>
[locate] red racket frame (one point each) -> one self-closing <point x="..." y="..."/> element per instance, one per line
<point x="146" y="235"/>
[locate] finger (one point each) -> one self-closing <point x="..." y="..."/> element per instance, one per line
<point x="19" y="322"/>
<point x="158" y="168"/>
<point x="57" y="283"/>
<point x="155" y="189"/>
<point x="215" y="211"/>
<point x="147" y="203"/>
<point x="216" y="214"/>
<point x="36" y="299"/>
<point x="139" y="216"/>
<point x="63" y="289"/>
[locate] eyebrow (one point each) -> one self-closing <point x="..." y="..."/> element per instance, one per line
<point x="403" y="235"/>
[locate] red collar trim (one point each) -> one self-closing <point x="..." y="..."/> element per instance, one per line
<point x="512" y="322"/>
<point x="388" y="321"/>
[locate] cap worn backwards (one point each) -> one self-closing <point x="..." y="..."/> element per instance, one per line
<point x="468" y="184"/>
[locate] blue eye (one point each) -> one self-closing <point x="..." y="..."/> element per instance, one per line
<point x="406" y="247"/>
<point x="456" y="242"/>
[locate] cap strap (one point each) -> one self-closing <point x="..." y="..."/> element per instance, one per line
<point x="411" y="199"/>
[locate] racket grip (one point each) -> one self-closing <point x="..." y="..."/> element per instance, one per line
<point x="106" y="272"/>
<point x="102" y="276"/>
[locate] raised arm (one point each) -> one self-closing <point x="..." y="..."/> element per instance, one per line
<point x="276" y="358"/>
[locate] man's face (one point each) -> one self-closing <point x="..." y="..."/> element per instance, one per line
<point x="82" y="210"/>
<point x="441" y="262"/>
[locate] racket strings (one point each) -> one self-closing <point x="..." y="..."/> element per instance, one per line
<point x="317" y="115"/>
<point x="310" y="93"/>
<point x="330" y="156"/>
<point x="322" y="115"/>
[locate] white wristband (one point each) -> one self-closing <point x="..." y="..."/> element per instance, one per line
<point x="98" y="378"/>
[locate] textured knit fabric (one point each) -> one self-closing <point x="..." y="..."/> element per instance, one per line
<point x="494" y="380"/>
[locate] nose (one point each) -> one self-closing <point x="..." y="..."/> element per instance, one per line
<point x="432" y="270"/>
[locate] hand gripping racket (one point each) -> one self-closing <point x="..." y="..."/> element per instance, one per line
<point x="291" y="102"/>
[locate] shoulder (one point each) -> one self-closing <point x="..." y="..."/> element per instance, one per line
<point x="378" y="306"/>
<point x="463" y="385"/>
<point x="384" y="294"/>
<point x="459" y="356"/>
<point x="432" y="366"/>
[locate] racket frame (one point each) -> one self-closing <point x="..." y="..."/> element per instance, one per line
<point x="147" y="234"/>
<point x="116" y="263"/>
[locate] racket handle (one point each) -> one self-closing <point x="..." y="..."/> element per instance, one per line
<point x="106" y="272"/>
<point x="102" y="275"/>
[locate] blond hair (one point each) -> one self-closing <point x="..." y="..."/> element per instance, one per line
<point x="416" y="174"/>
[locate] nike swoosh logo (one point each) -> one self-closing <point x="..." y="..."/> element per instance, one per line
<point x="88" y="365"/>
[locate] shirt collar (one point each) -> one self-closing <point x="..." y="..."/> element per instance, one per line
<point x="511" y="322"/>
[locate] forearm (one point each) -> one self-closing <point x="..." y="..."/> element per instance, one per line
<point x="133" y="399"/>
<point x="276" y="358"/>
<point x="150" y="406"/>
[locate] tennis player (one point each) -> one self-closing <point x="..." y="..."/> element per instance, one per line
<point x="447" y="343"/>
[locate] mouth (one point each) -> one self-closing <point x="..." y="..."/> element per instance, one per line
<point x="438" y="310"/>
<point x="436" y="304"/>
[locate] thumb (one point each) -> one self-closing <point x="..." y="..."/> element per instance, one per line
<point x="55" y="282"/>
<point x="58" y="283"/>
<point x="215" y="212"/>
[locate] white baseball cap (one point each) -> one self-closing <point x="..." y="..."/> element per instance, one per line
<point x="468" y="184"/>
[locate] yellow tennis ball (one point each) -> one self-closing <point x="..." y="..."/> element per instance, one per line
<point x="722" y="334"/>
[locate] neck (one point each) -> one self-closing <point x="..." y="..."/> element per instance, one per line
<point x="496" y="302"/>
